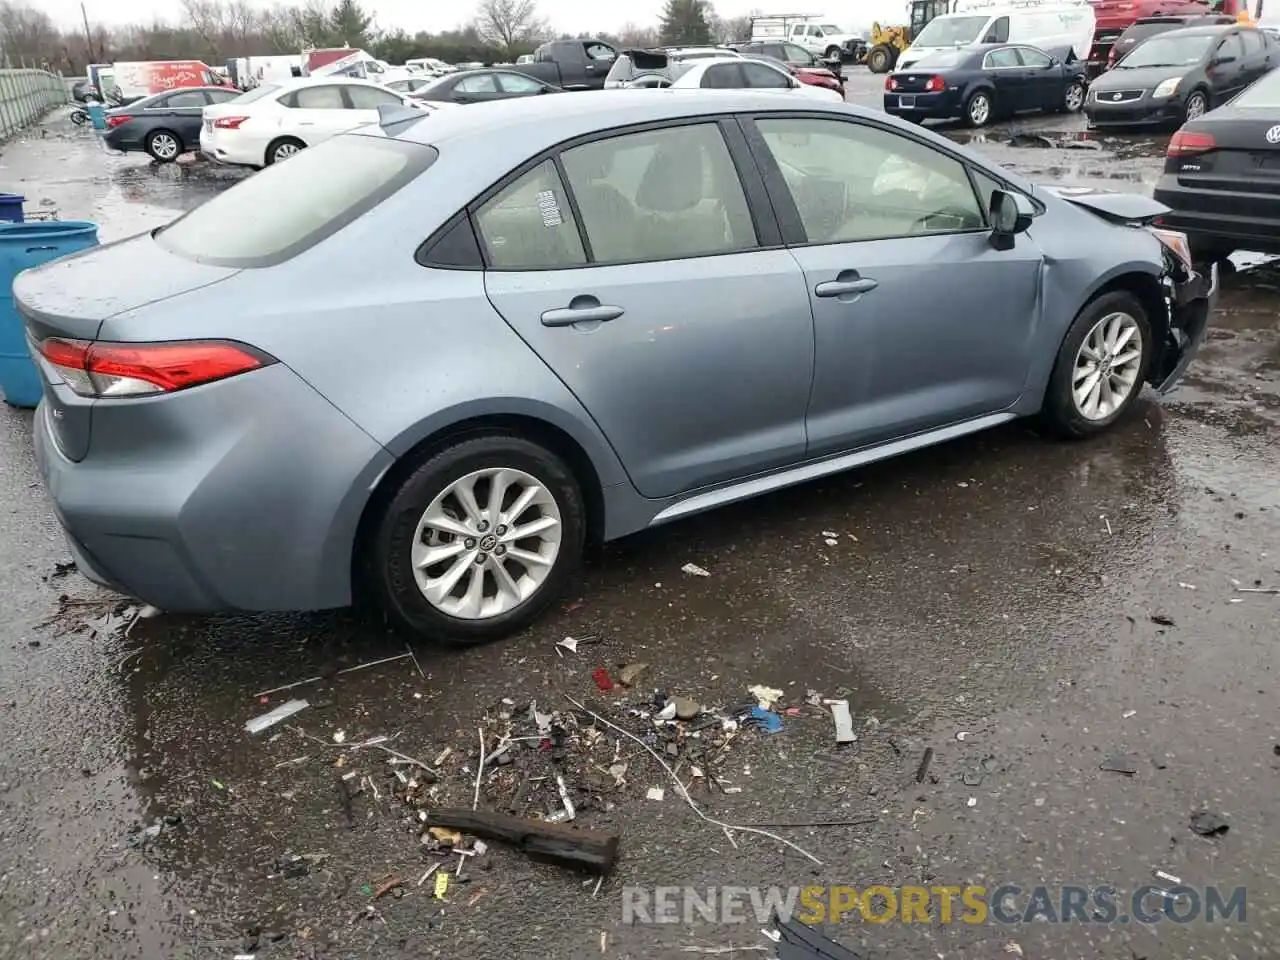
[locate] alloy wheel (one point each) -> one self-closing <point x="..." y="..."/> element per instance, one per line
<point x="285" y="151"/>
<point x="979" y="110"/>
<point x="164" y="146"/>
<point x="1075" y="97"/>
<point x="486" y="543"/>
<point x="1107" y="366"/>
<point x="1196" y="106"/>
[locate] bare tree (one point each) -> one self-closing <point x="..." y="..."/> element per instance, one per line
<point x="632" y="35"/>
<point x="27" y="34"/>
<point x="509" y="23"/>
<point x="730" y="29"/>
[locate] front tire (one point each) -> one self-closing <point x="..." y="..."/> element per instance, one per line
<point x="478" y="540"/>
<point x="1197" y="105"/>
<point x="1101" y="367"/>
<point x="832" y="52"/>
<point x="1073" y="98"/>
<point x="880" y="59"/>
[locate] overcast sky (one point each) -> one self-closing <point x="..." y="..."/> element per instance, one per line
<point x="414" y="15"/>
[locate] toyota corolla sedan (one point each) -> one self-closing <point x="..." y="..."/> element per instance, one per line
<point x="430" y="359"/>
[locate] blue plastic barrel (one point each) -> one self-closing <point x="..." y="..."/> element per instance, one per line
<point x="11" y="207"/>
<point x="24" y="245"/>
<point x="98" y="114"/>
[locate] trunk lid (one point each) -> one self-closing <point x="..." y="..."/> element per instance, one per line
<point x="72" y="297"/>
<point x="1243" y="162"/>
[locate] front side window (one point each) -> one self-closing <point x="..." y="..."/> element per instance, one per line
<point x="371" y="98"/>
<point x="722" y="76"/>
<point x="855" y="182"/>
<point x="328" y="97"/>
<point x="1033" y="58"/>
<point x="289" y="207"/>
<point x="758" y="75"/>
<point x="660" y="195"/>
<point x="598" y="51"/>
<point x="482" y="83"/>
<point x="1231" y="47"/>
<point x="795" y="54"/>
<point x="528" y="225"/>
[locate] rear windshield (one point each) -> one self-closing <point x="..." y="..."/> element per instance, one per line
<point x="1169" y="50"/>
<point x="293" y="205"/>
<point x="949" y="31"/>
<point x="1265" y="94"/>
<point x="257" y="93"/>
<point x="1140" y="31"/>
<point x="941" y="59"/>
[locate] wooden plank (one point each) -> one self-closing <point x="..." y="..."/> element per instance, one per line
<point x="592" y="851"/>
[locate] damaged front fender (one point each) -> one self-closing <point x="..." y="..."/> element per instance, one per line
<point x="1190" y="298"/>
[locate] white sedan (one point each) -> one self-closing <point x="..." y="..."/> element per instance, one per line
<point x="274" y="121"/>
<point x="736" y="73"/>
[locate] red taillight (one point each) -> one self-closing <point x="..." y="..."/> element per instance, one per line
<point x="935" y="85"/>
<point x="229" y="123"/>
<point x="138" y="369"/>
<point x="890" y="83"/>
<point x="113" y="122"/>
<point x="1186" y="143"/>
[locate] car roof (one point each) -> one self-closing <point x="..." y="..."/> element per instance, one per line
<point x="292" y="83"/>
<point x="534" y="124"/>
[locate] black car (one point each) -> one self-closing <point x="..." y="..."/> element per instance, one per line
<point x="981" y="82"/>
<point x="475" y="86"/>
<point x="82" y="89"/>
<point x="1180" y="75"/>
<point x="1146" y="27"/>
<point x="1221" y="177"/>
<point x="164" y="125"/>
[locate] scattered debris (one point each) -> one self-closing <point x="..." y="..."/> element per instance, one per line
<point x="1014" y="948"/>
<point x="796" y="941"/>
<point x="592" y="850"/>
<point x="569" y="812"/>
<point x="1128" y="713"/>
<point x="604" y="682"/>
<point x="963" y="735"/>
<point x="271" y="718"/>
<point x="1162" y="620"/>
<point x="923" y="769"/>
<point x="655" y="793"/>
<point x="395" y="883"/>
<point x="844" y="721"/>
<point x="686" y="709"/>
<point x="338" y="673"/>
<point x="766" y="697"/>
<point x="695" y="571"/>
<point x="1167" y="877"/>
<point x="569" y="643"/>
<point x="971" y="802"/>
<point x="1120" y="763"/>
<point x="1209" y="824"/>
<point x="442" y="885"/>
<point x="764" y="720"/>
<point x="629" y="674"/>
<point x="1273" y="591"/>
<point x="339" y="736"/>
<point x="668" y="711"/>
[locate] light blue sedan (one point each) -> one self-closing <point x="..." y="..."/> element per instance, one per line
<point x="433" y="358"/>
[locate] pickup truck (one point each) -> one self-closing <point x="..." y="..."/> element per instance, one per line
<point x="572" y="64"/>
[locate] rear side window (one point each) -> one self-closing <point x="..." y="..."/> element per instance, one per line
<point x="722" y="76"/>
<point x="188" y="98"/>
<point x="1252" y="42"/>
<point x="328" y="97"/>
<point x="528" y="225"/>
<point x="291" y="206"/>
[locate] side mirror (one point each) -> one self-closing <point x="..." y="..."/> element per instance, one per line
<point x="1011" y="215"/>
<point x="1053" y="62"/>
<point x="1221" y="61"/>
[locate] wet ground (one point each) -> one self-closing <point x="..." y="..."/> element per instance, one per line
<point x="1003" y="587"/>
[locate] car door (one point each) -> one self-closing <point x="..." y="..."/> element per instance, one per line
<point x="681" y="325"/>
<point x="180" y="113"/>
<point x="1257" y="55"/>
<point x="919" y="321"/>
<point x="518" y="85"/>
<point x="1046" y="89"/>
<point x="1010" y="79"/>
<point x="317" y="113"/>
<point x="1226" y="69"/>
<point x="477" y="88"/>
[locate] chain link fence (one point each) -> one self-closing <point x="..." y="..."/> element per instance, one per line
<point x="26" y="95"/>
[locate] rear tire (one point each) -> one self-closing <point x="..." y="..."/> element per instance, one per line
<point x="452" y="506"/>
<point x="978" y="109"/>
<point x="881" y="59"/>
<point x="164" y="146"/>
<point x="832" y="52"/>
<point x="1072" y="410"/>
<point x="283" y="149"/>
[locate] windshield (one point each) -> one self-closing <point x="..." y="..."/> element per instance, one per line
<point x="950" y="31"/>
<point x="1168" y="51"/>
<point x="1265" y="94"/>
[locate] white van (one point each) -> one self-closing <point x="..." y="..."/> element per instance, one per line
<point x="1047" y="24"/>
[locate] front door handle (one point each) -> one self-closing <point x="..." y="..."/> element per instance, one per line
<point x="581" y="310"/>
<point x="844" y="287"/>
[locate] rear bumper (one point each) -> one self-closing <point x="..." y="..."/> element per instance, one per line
<point x="926" y="106"/>
<point x="1219" y="219"/>
<point x="242" y="495"/>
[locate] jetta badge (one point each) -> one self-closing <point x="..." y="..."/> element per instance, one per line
<point x="1273" y="135"/>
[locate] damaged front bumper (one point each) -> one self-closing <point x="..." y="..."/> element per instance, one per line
<point x="1190" y="298"/>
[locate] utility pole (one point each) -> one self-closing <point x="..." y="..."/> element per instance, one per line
<point x="88" y="37"/>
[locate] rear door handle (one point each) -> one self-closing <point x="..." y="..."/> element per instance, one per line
<point x="592" y="311"/>
<point x="839" y="288"/>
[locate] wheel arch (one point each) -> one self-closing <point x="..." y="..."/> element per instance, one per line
<point x="266" y="154"/>
<point x="158" y="129"/>
<point x="524" y="425"/>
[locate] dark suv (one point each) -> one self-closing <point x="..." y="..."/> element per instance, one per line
<point x="1145" y="27"/>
